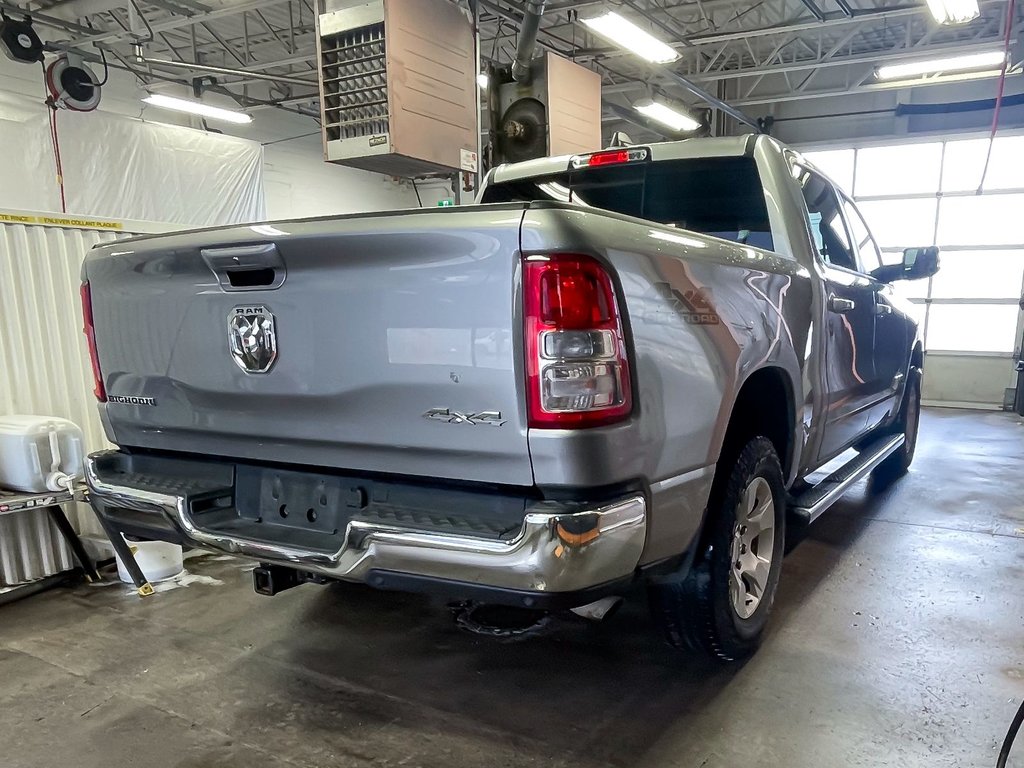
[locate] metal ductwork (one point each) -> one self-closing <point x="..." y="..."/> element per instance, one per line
<point x="532" y="12"/>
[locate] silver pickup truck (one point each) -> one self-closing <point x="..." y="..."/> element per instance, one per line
<point x="618" y="366"/>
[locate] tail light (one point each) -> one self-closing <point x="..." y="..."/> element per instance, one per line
<point x="576" y="366"/>
<point x="90" y="336"/>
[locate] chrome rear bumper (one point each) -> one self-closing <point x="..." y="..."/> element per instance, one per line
<point x="559" y="548"/>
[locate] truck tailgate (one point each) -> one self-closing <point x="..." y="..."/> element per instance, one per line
<point x="381" y="324"/>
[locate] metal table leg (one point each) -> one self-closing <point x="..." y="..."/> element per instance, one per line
<point x="60" y="519"/>
<point x="124" y="552"/>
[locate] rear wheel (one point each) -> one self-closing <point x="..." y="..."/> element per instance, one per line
<point x="722" y="605"/>
<point x="907" y="423"/>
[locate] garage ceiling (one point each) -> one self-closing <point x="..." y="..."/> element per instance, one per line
<point x="747" y="52"/>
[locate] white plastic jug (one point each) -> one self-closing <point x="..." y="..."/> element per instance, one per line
<point x="39" y="453"/>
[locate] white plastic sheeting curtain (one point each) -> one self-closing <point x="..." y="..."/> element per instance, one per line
<point x="44" y="369"/>
<point x="124" y="168"/>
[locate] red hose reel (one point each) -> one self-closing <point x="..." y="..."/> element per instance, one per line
<point x="72" y="85"/>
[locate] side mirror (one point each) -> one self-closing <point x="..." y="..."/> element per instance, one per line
<point x="920" y="262"/>
<point x="917" y="263"/>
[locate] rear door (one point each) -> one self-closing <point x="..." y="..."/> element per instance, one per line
<point x="849" y="370"/>
<point x="383" y="343"/>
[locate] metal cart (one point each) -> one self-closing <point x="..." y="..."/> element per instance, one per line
<point x="12" y="502"/>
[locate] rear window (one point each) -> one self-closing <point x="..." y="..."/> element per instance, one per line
<point x="720" y="196"/>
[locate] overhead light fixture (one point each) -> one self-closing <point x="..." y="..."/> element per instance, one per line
<point x="967" y="62"/>
<point x="952" y="77"/>
<point x="482" y="80"/>
<point x="197" y="108"/>
<point x="628" y="35"/>
<point x="954" y="11"/>
<point x="659" y="113"/>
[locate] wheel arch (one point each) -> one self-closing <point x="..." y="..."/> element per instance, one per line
<point x="765" y="406"/>
<point x="917" y="355"/>
<point x="748" y="418"/>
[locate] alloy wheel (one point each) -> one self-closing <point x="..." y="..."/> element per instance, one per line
<point x="753" y="542"/>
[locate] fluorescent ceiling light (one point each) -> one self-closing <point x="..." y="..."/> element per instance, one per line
<point x="667" y="116"/>
<point x="482" y="80"/>
<point x="954" y="11"/>
<point x="197" y="108"/>
<point x="953" y="77"/>
<point x="628" y="35"/>
<point x="950" y="64"/>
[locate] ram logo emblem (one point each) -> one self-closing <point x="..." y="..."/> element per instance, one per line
<point x="252" y="338"/>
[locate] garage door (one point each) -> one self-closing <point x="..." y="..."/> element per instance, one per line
<point x="932" y="193"/>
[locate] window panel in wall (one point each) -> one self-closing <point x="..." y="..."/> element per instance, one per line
<point x="972" y="327"/>
<point x="979" y="275"/>
<point x="898" y="170"/>
<point x="918" y="312"/>
<point x="995" y="219"/>
<point x="901" y="223"/>
<point x="909" y="289"/>
<point x="1006" y="168"/>
<point x="964" y="163"/>
<point x="837" y="164"/>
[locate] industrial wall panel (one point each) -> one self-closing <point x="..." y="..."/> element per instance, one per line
<point x="44" y="361"/>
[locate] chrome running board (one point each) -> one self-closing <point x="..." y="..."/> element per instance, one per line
<point x="809" y="505"/>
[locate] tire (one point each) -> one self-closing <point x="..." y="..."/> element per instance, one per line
<point x="907" y="423"/>
<point x="705" y="611"/>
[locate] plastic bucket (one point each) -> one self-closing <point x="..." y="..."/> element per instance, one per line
<point x="158" y="560"/>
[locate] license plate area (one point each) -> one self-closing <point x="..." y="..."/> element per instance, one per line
<point x="312" y="502"/>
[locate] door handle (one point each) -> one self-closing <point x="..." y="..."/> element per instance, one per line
<point x="246" y="267"/>
<point x="841" y="305"/>
<point x="883" y="309"/>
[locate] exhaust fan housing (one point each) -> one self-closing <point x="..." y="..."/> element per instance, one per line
<point x="20" y="41"/>
<point x="556" y="111"/>
<point x="398" y="86"/>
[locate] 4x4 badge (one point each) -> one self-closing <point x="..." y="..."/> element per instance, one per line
<point x="489" y="418"/>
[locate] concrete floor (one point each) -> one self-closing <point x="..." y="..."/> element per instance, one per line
<point x="897" y="640"/>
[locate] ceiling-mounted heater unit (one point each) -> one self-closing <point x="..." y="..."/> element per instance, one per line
<point x="398" y="86"/>
<point x="554" y="110"/>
